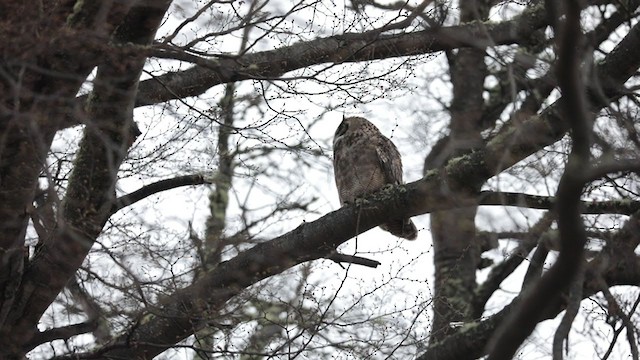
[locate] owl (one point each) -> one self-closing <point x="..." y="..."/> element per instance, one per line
<point x="364" y="161"/>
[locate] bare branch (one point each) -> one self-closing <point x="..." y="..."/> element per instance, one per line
<point x="162" y="185"/>
<point x="536" y="265"/>
<point x="573" y="237"/>
<point x="616" y="312"/>
<point x="575" y="297"/>
<point x="604" y="168"/>
<point x="505" y="268"/>
<point x="623" y="206"/>
<point x="351" y="259"/>
<point x="62" y="333"/>
<point x="350" y="47"/>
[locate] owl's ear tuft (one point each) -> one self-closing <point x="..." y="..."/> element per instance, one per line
<point x="342" y="129"/>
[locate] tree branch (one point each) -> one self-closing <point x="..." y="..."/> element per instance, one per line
<point x="572" y="233"/>
<point x="350" y="47"/>
<point x="162" y="185"/>
<point x="351" y="259"/>
<point x="536" y="265"/>
<point x="62" y="333"/>
<point x="622" y="206"/>
<point x="604" y="168"/>
<point x="573" y="306"/>
<point x="505" y="268"/>
<point x="616" y="312"/>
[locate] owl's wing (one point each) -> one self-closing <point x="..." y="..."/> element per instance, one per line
<point x="390" y="161"/>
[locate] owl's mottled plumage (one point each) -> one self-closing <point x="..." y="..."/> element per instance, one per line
<point x="364" y="161"/>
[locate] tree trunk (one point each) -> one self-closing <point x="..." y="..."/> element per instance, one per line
<point x="456" y="253"/>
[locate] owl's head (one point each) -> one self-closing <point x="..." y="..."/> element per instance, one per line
<point x="353" y="124"/>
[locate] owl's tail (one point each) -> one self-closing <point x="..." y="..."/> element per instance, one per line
<point x="403" y="228"/>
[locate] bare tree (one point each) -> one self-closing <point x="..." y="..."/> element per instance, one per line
<point x="122" y="121"/>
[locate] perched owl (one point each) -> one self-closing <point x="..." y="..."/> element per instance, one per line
<point x="364" y="161"/>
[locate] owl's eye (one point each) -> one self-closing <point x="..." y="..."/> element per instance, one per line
<point x="342" y="129"/>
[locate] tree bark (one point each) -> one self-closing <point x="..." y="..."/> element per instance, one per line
<point x="90" y="195"/>
<point x="456" y="251"/>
